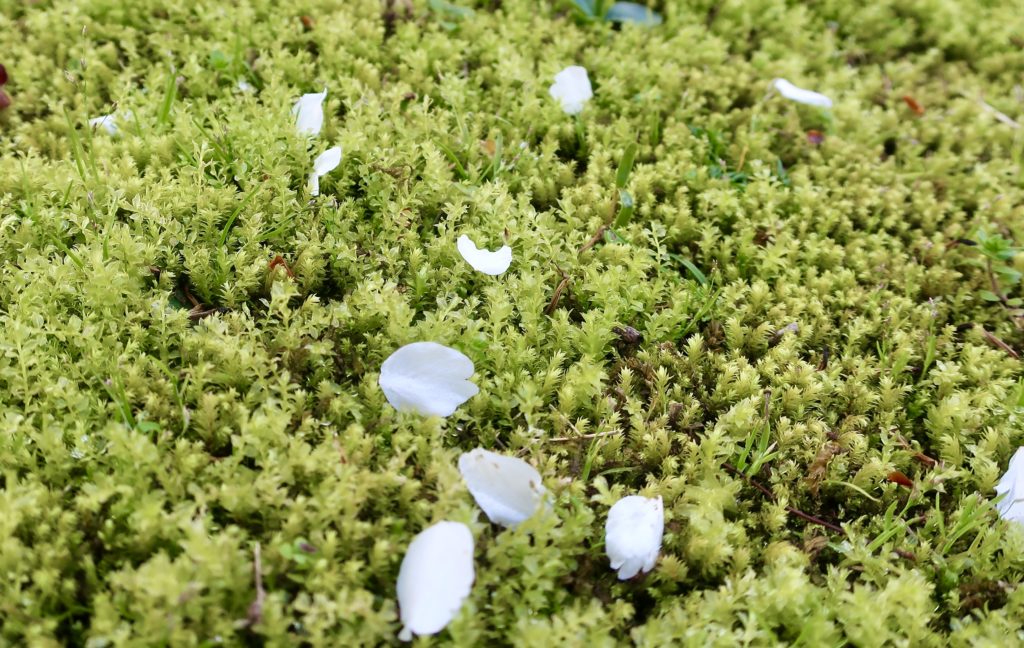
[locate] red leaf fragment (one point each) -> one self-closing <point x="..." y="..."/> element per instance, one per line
<point x="815" y="137"/>
<point x="307" y="22"/>
<point x="913" y="105"/>
<point x="279" y="261"/>
<point x="899" y="478"/>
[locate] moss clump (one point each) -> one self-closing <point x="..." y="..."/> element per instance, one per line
<point x="840" y="346"/>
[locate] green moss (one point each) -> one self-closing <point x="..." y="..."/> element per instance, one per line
<point x="144" y="452"/>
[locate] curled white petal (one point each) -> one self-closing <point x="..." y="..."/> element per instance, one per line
<point x="309" y="113"/>
<point x="327" y="161"/>
<point x="572" y="89"/>
<point x="633" y="534"/>
<point x="107" y="123"/>
<point x="435" y="578"/>
<point x="799" y="95"/>
<point x="244" y="86"/>
<point x="322" y="165"/>
<point x="508" y="489"/>
<point x="428" y="378"/>
<point x="485" y="261"/>
<point x="1011" y="507"/>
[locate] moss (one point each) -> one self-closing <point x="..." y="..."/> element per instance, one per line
<point x="147" y="446"/>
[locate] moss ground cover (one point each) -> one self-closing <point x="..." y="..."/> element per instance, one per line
<point x="791" y="340"/>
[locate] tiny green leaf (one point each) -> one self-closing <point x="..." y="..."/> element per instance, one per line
<point x="450" y="10"/>
<point x="988" y="295"/>
<point x="1008" y="273"/>
<point x="633" y="12"/>
<point x="587" y="7"/>
<point x="219" y="60"/>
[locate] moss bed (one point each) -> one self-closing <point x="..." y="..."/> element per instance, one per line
<point x="791" y="341"/>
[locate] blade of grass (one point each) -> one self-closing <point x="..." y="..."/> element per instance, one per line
<point x="626" y="210"/>
<point x="170" y="94"/>
<point x="231" y="219"/>
<point x="459" y="169"/>
<point x="625" y="166"/>
<point x="76" y="145"/>
<point x="694" y="270"/>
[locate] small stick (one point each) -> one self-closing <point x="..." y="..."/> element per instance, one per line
<point x="558" y="293"/>
<point x="592" y="435"/>
<point x="594" y="239"/>
<point x="999" y="293"/>
<point x="188" y="295"/>
<point x="824" y="359"/>
<point x="1002" y="345"/>
<point x="197" y="313"/>
<point x="1001" y="116"/>
<point x="256" y="609"/>
<point x="920" y="456"/>
<point x="790" y="509"/>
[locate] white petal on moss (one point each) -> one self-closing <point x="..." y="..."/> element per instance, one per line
<point x="309" y="113"/>
<point x="428" y="378"/>
<point x="1011" y="507"/>
<point x="572" y="89"/>
<point x="508" y="489"/>
<point x="633" y="533"/>
<point x="799" y="95"/>
<point x="435" y="578"/>
<point x="322" y="165"/>
<point x="327" y="161"/>
<point x="107" y="123"/>
<point x="485" y="261"/>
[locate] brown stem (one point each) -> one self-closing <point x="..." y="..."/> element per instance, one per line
<point x="558" y="293"/>
<point x="999" y="343"/>
<point x="999" y="293"/>
<point x="592" y="435"/>
<point x="256" y="609"/>
<point x="790" y="509"/>
<point x="995" y="284"/>
<point x="594" y="239"/>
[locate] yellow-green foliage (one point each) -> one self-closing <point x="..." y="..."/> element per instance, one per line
<point x="143" y="454"/>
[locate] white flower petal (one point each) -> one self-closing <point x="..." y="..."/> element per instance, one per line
<point x="244" y="86"/>
<point x="572" y="89"/>
<point x="309" y="113"/>
<point x="322" y="165"/>
<point x="793" y="93"/>
<point x="107" y="123"/>
<point x="508" y="489"/>
<point x="428" y="378"/>
<point x="435" y="578"/>
<point x="485" y="261"/>
<point x="327" y="161"/>
<point x="633" y="533"/>
<point x="1011" y="507"/>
